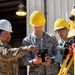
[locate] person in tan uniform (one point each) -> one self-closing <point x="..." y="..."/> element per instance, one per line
<point x="9" y="56"/>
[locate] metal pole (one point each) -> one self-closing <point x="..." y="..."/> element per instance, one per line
<point x="45" y="13"/>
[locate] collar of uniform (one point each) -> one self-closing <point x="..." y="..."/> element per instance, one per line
<point x="35" y="36"/>
<point x="1" y="43"/>
<point x="5" y="45"/>
<point x="62" y="42"/>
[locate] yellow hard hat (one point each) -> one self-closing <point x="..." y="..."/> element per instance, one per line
<point x="37" y="19"/>
<point x="72" y="29"/>
<point x="60" y="23"/>
<point x="72" y="25"/>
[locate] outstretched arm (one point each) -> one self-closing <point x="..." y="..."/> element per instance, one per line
<point x="15" y="53"/>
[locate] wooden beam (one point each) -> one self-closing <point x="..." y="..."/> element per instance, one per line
<point x="10" y="3"/>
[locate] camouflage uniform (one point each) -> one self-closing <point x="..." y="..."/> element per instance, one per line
<point x="62" y="43"/>
<point x="45" y="42"/>
<point x="9" y="59"/>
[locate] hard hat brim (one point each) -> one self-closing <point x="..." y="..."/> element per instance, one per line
<point x="10" y="31"/>
<point x="59" y="28"/>
<point x="36" y="25"/>
<point x="6" y="30"/>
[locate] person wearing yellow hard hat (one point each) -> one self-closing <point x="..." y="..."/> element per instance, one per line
<point x="61" y="28"/>
<point x="44" y="42"/>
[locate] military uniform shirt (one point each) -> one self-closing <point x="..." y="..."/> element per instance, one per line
<point x="47" y="41"/>
<point x="9" y="59"/>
